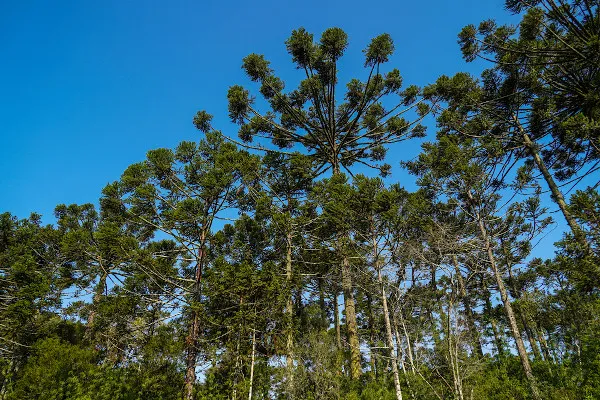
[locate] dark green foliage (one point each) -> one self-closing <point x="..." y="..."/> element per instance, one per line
<point x="58" y="370"/>
<point x="337" y="131"/>
<point x="211" y="273"/>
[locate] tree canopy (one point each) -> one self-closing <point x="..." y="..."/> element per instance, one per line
<point x="267" y="265"/>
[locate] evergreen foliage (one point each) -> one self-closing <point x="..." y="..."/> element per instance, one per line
<point x="269" y="268"/>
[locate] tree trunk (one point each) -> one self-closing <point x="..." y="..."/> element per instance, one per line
<point x="409" y="351"/>
<point x="289" y="314"/>
<point x="530" y="336"/>
<point x="388" y="325"/>
<point x="351" y="324"/>
<point x="518" y="294"/>
<point x="507" y="306"/>
<point x="399" y="348"/>
<point x="7" y="376"/>
<point x="322" y="304"/>
<point x="389" y="336"/>
<point x="543" y="344"/>
<point x="191" y="342"/>
<point x="453" y="355"/>
<point x="191" y="356"/>
<point x="372" y="336"/>
<point x="252" y="363"/>
<point x="557" y="195"/>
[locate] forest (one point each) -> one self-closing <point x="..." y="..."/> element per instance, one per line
<point x="282" y="262"/>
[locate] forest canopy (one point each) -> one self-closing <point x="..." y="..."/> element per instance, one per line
<point x="281" y="261"/>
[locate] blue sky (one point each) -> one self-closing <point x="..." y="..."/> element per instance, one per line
<point x="86" y="88"/>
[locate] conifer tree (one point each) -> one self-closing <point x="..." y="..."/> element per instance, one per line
<point x="180" y="194"/>
<point x="337" y="130"/>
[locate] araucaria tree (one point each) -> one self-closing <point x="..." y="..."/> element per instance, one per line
<point x="216" y="270"/>
<point x="179" y="194"/>
<point x="337" y="127"/>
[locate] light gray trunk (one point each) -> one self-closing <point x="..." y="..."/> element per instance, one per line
<point x="510" y="315"/>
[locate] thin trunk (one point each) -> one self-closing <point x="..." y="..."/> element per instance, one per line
<point x="390" y="338"/>
<point x="289" y="314"/>
<point x="351" y="324"/>
<point x="191" y="342"/>
<point x="435" y="332"/>
<point x="507" y="306"/>
<point x="543" y="344"/>
<point x="338" y="334"/>
<point x="557" y="355"/>
<point x="518" y="294"/>
<point x="238" y="362"/>
<point x="252" y="363"/>
<point x="557" y="195"/>
<point x="400" y="353"/>
<point x="349" y="305"/>
<point x="531" y="337"/>
<point x="453" y="355"/>
<point x="399" y="348"/>
<point x="408" y="345"/>
<point x="372" y="335"/>
<point x="7" y="376"/>
<point x="388" y="325"/>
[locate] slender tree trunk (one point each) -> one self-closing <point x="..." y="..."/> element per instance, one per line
<point x="543" y="344"/>
<point x="557" y="195"/>
<point x="507" y="306"/>
<point x="349" y="304"/>
<point x="388" y="325"/>
<point x="351" y="324"/>
<point x="338" y="333"/>
<point x="557" y="355"/>
<point x="191" y="356"/>
<point x="530" y="336"/>
<point x="431" y="308"/>
<point x="191" y="342"/>
<point x="518" y="294"/>
<point x="238" y="361"/>
<point x="389" y="336"/>
<point x="289" y="314"/>
<point x="252" y="363"/>
<point x="409" y="351"/>
<point x="7" y="377"/>
<point x="453" y="355"/>
<point x="399" y="350"/>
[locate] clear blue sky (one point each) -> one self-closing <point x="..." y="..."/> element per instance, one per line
<point x="87" y="87"/>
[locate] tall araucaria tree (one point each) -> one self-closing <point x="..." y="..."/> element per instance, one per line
<point x="337" y="128"/>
